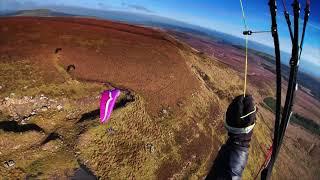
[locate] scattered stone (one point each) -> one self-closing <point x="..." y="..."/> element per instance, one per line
<point x="150" y="147"/>
<point x="110" y="130"/>
<point x="8" y="164"/>
<point x="42" y="97"/>
<point x="164" y="111"/>
<point x="17" y="147"/>
<point x="11" y="163"/>
<point x="44" y="108"/>
<point x="130" y="97"/>
<point x="179" y="103"/>
<point x="72" y="115"/>
<point x="23" y="110"/>
<point x="24" y="121"/>
<point x="26" y="98"/>
<point x="59" y="107"/>
<point x="52" y="101"/>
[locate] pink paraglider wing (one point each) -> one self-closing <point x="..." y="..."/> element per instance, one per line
<point x="107" y="102"/>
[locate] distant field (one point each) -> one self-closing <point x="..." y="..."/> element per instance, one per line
<point x="304" y="122"/>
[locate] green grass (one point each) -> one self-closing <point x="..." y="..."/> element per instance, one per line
<point x="302" y="121"/>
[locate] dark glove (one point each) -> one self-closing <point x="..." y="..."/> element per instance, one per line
<point x="240" y="120"/>
<point x="233" y="156"/>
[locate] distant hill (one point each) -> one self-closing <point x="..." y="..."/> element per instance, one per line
<point x="36" y="12"/>
<point x="304" y="79"/>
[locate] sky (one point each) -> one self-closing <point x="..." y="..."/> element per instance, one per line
<point x="224" y="16"/>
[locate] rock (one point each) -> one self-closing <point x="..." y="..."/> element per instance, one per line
<point x="40" y="103"/>
<point x="17" y="147"/>
<point x="44" y="108"/>
<point x="9" y="163"/>
<point x="26" y="98"/>
<point x="179" y="103"/>
<point x="59" y="107"/>
<point x="130" y="97"/>
<point x="72" y="116"/>
<point x="5" y="164"/>
<point x="6" y="98"/>
<point x="52" y="101"/>
<point x="150" y="147"/>
<point x="25" y="87"/>
<point x="12" y="94"/>
<point x="24" y="121"/>
<point x="23" y="110"/>
<point x="0" y="87"/>
<point x="110" y="130"/>
<point x="164" y="111"/>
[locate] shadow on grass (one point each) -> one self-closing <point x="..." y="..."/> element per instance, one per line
<point x="13" y="126"/>
<point x="51" y="137"/>
<point x="83" y="172"/>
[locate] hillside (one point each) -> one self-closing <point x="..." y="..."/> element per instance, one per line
<point x="167" y="124"/>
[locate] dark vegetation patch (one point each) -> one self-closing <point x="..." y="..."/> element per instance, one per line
<point x="52" y="136"/>
<point x="13" y="126"/>
<point x="71" y="68"/>
<point x="302" y="121"/>
<point x="57" y="50"/>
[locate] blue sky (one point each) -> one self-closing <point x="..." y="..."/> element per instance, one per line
<point x="224" y="16"/>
